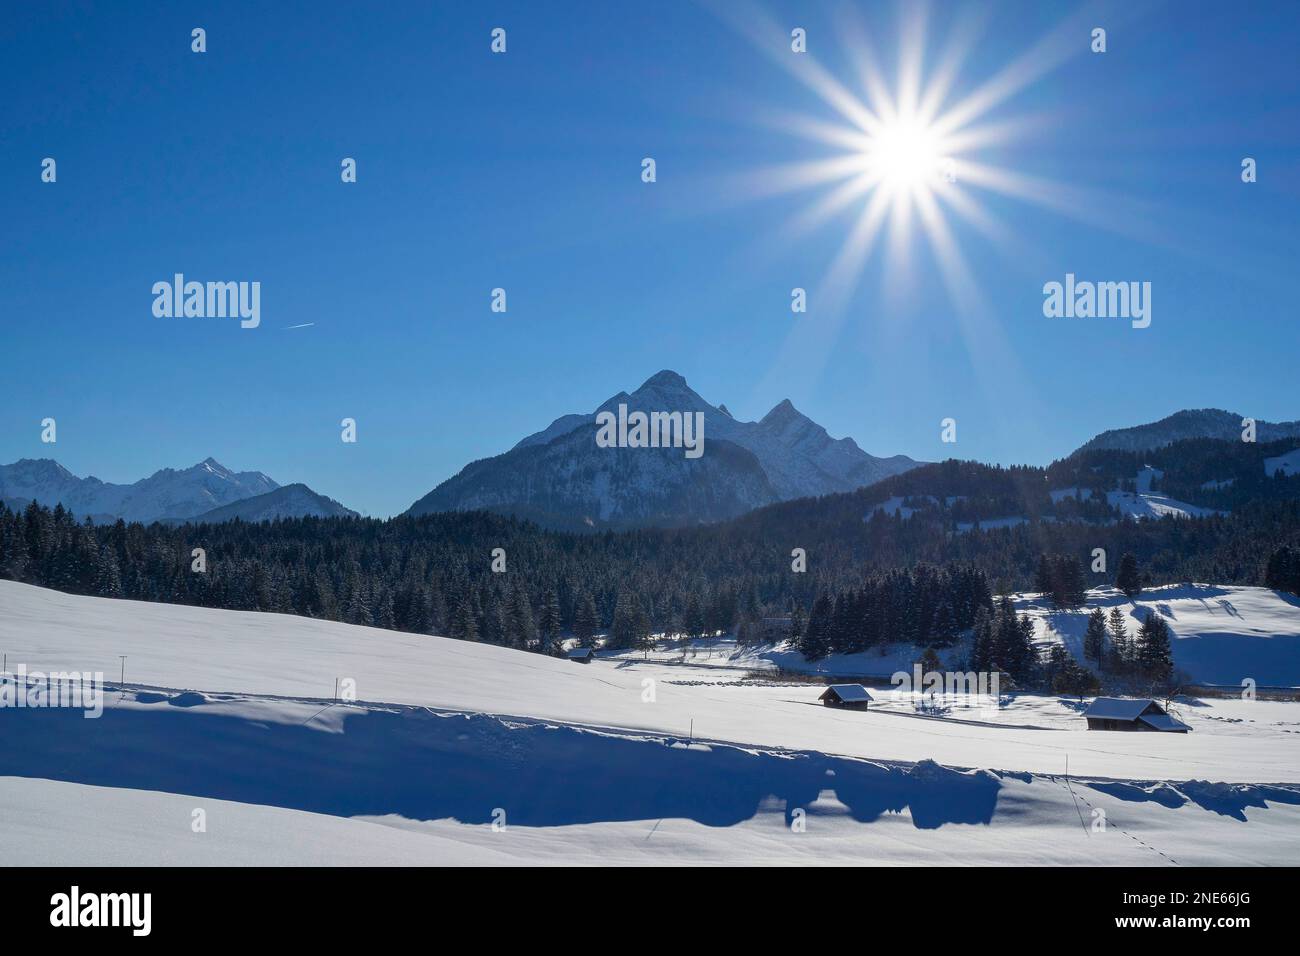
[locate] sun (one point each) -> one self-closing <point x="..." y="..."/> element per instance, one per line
<point x="906" y="155"/>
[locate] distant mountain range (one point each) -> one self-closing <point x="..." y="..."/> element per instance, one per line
<point x="206" y="492"/>
<point x="1190" y="423"/>
<point x="561" y="477"/>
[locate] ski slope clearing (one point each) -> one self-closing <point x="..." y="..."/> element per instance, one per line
<point x="595" y="761"/>
<point x="1139" y="506"/>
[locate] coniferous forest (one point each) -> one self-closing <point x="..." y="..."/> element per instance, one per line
<point x="867" y="582"/>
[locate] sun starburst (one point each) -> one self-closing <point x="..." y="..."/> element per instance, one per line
<point x="906" y="153"/>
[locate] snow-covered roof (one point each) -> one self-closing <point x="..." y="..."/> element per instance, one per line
<point x="848" y="692"/>
<point x="1163" y="722"/>
<point x="1121" y="708"/>
<point x="581" y="652"/>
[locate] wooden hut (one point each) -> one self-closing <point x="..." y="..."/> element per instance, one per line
<point x="852" y="696"/>
<point x="1123" y="713"/>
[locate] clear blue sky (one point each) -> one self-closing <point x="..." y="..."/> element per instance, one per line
<point x="523" y="171"/>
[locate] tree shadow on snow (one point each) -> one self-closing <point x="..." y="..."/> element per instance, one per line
<point x="1226" y="799"/>
<point x="425" y="766"/>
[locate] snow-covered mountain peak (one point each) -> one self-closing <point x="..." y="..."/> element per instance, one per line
<point x="34" y="468"/>
<point x="786" y="455"/>
<point x="782" y="414"/>
<point x="667" y="380"/>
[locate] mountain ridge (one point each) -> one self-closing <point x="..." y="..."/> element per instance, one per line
<point x="169" y="494"/>
<point x="560" y="477"/>
<point x="294" y="500"/>
<point x="1184" y="424"/>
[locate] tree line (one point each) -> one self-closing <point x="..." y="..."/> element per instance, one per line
<point x="868" y="582"/>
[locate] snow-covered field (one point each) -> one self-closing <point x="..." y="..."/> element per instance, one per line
<point x="613" y="761"/>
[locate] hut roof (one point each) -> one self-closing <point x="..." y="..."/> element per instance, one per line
<point x="850" y="693"/>
<point x="1163" y="722"/>
<point x="1121" y="708"/>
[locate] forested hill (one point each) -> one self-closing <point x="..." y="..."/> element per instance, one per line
<point x="434" y="573"/>
<point x="1208" y="474"/>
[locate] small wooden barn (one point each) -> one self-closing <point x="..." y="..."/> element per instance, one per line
<point x="583" y="655"/>
<point x="1124" y="713"/>
<point x="852" y="696"/>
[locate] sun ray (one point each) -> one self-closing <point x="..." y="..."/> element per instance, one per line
<point x="769" y="37"/>
<point x="793" y="177"/>
<point x="845" y="271"/>
<point x="832" y="204"/>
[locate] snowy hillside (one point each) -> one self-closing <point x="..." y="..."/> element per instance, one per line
<point x="1221" y="634"/>
<point x="1138" y="505"/>
<point x="598" y="761"/>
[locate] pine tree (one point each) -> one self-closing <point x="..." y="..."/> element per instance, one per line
<point x="463" y="626"/>
<point x="631" y="627"/>
<point x="108" y="579"/>
<point x="1057" y="659"/>
<point x="982" y="644"/>
<point x="1044" y="577"/>
<point x="816" y="641"/>
<point x="642" y="638"/>
<point x="1129" y="579"/>
<point x="437" y="605"/>
<point x="943" y="628"/>
<point x="548" y="622"/>
<point x="496" y="619"/>
<point x="1094" y="638"/>
<point x="750" y="609"/>
<point x="1073" y="587"/>
<point x="1155" y="655"/>
<point x="1074" y="680"/>
<point x="385" y="616"/>
<point x="586" y="621"/>
<point x="1013" y="642"/>
<point x="523" y="629"/>
<point x="721" y="615"/>
<point x="1282" y="572"/>
<point x="358" y="611"/>
<point x="841" y="630"/>
<point x="798" y="622"/>
<point x="1119" y="638"/>
<point x="321" y="598"/>
<point x="694" y="617"/>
